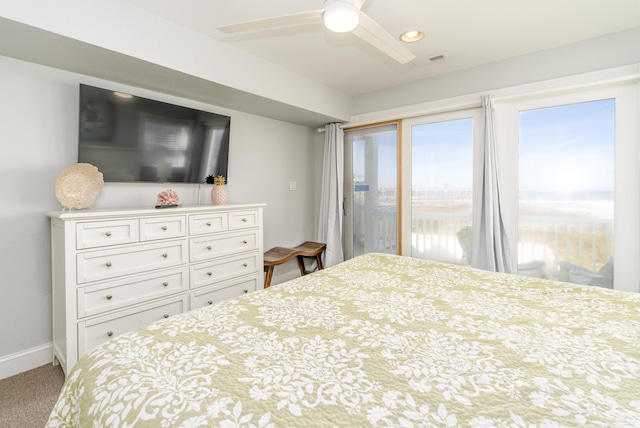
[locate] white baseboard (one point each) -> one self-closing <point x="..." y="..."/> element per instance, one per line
<point x="23" y="361"/>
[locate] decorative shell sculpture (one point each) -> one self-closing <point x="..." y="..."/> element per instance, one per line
<point x="167" y="198"/>
<point x="79" y="186"/>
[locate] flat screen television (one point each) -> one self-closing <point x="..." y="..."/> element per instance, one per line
<point x="134" y="139"/>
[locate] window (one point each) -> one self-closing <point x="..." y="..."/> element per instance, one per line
<point x="569" y="181"/>
<point x="566" y="189"/>
<point x="441" y="189"/>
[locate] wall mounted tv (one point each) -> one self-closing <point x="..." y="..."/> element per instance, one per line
<point x="134" y="139"/>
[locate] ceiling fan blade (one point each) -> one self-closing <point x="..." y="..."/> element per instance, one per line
<point x="358" y="3"/>
<point x="371" y="32"/>
<point x="278" y="21"/>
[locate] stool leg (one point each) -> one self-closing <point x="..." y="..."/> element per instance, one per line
<point x="319" y="261"/>
<point x="267" y="279"/>
<point x="301" y="265"/>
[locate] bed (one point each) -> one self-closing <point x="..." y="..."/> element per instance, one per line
<point x="379" y="340"/>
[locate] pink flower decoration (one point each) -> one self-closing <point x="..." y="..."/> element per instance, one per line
<point x="168" y="197"/>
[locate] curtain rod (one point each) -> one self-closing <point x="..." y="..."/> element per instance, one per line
<point x="321" y="130"/>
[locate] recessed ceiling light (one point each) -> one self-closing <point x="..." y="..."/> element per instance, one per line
<point x="411" y="36"/>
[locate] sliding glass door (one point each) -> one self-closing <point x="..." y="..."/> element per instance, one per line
<point x="371" y="190"/>
<point x="569" y="180"/>
<point x="439" y="197"/>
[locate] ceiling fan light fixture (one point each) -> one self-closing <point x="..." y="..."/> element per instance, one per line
<point x="340" y="16"/>
<point x="411" y="36"/>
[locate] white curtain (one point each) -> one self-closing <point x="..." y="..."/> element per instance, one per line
<point x="330" y="223"/>
<point x="491" y="249"/>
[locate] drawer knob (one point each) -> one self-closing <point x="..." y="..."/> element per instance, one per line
<point x="109" y="333"/>
<point x="108" y="264"/>
<point x="165" y="255"/>
<point x="208" y="223"/>
<point x="108" y="233"/>
<point x="166" y="315"/>
<point x="244" y="242"/>
<point x="165" y="283"/>
<point x="164" y="227"/>
<point x="244" y="264"/>
<point x="244" y="220"/>
<point x="245" y="291"/>
<point x="109" y="297"/>
<point x="208" y="247"/>
<point x="210" y="302"/>
<point x="209" y="273"/>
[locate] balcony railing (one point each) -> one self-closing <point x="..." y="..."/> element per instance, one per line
<point x="552" y="240"/>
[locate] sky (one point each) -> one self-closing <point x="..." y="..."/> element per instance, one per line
<point x="442" y="155"/>
<point x="568" y="147"/>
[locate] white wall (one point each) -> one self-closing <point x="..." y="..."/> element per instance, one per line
<point x="38" y="139"/>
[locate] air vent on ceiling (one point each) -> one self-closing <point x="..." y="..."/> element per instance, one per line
<point x="429" y="60"/>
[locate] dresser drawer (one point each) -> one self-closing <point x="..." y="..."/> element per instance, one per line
<point x="162" y="228"/>
<point x="105" y="233"/>
<point x="227" y="290"/>
<point x="105" y="264"/>
<point x="208" y="247"/>
<point x="243" y="219"/>
<point x="92" y="333"/>
<point x="100" y="298"/>
<point x="221" y="269"/>
<point x="201" y="224"/>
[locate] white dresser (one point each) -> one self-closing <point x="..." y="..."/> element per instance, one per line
<point x="116" y="270"/>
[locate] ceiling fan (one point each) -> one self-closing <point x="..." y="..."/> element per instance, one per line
<point x="340" y="16"/>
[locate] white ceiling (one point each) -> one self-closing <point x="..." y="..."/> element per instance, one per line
<point x="468" y="32"/>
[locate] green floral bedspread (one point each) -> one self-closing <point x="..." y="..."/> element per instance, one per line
<point x="379" y="340"/>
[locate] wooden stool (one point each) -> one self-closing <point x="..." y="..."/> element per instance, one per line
<point x="279" y="255"/>
<point x="309" y="250"/>
<point x="274" y="257"/>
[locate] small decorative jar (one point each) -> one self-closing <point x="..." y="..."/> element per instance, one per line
<point x="219" y="191"/>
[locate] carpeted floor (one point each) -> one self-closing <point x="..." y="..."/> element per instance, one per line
<point x="26" y="399"/>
